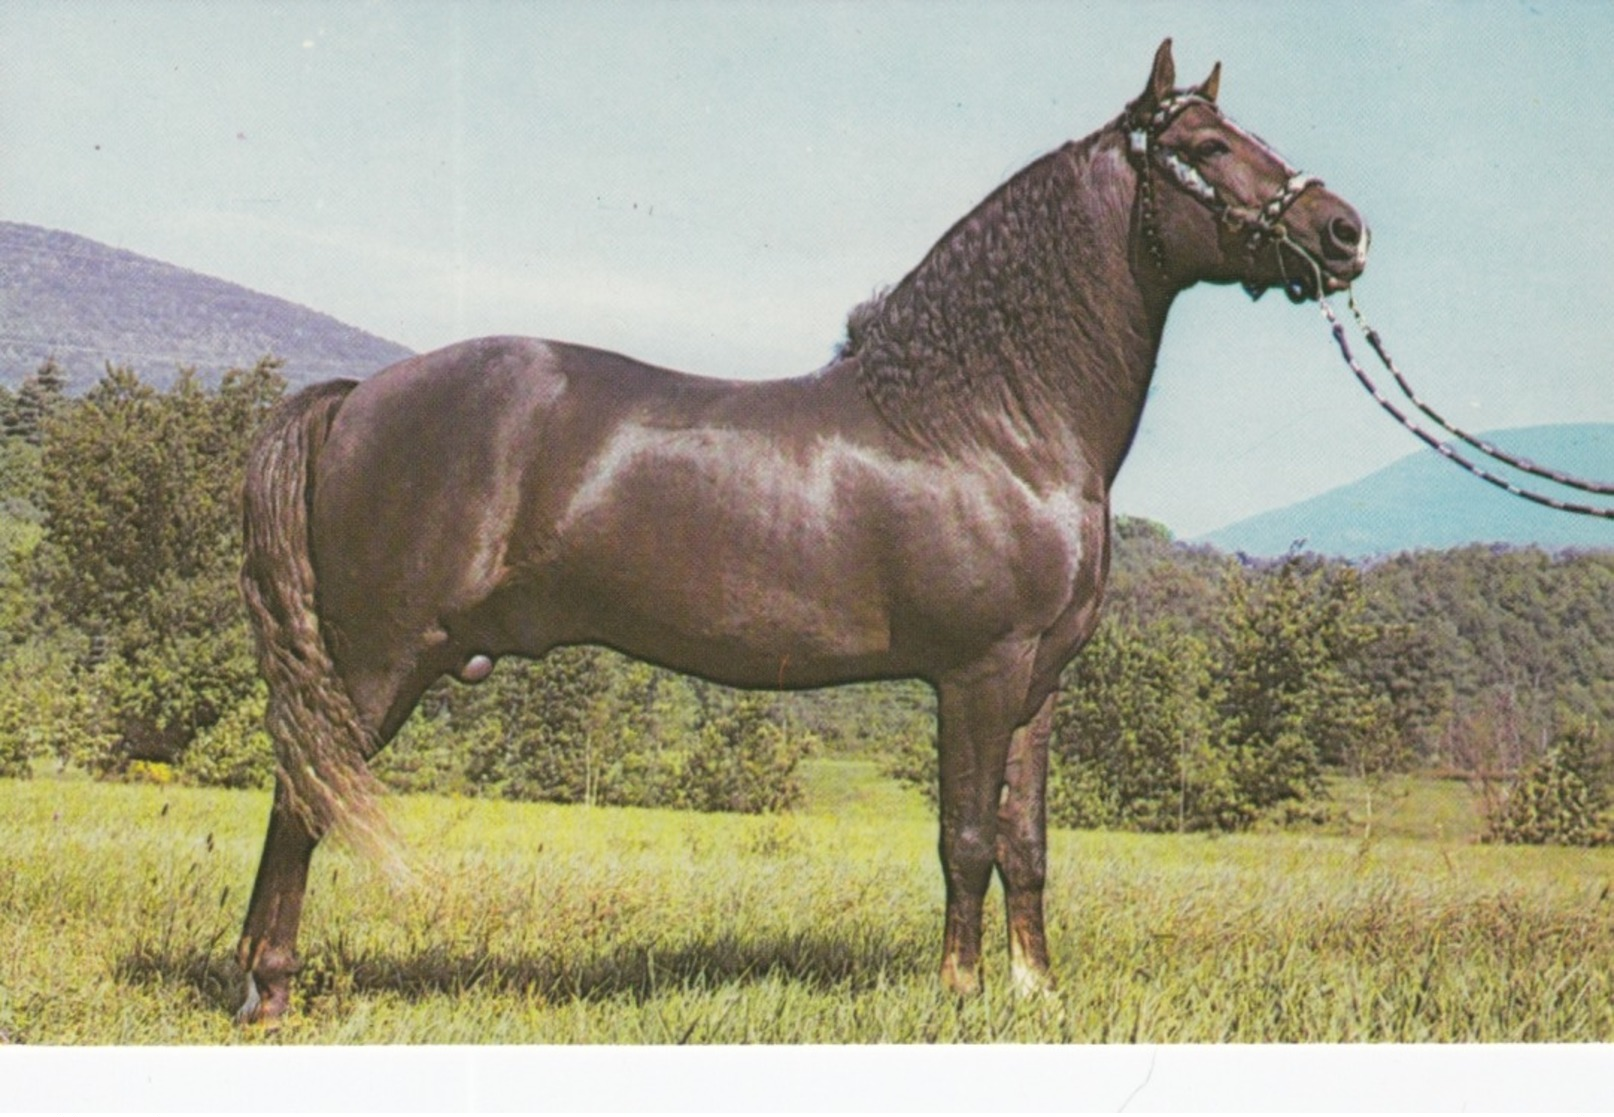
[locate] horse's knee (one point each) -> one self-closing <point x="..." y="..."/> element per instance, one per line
<point x="968" y="853"/>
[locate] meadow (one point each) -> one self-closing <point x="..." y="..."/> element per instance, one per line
<point x="532" y="923"/>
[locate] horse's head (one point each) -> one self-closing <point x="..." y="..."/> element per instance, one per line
<point x="1216" y="203"/>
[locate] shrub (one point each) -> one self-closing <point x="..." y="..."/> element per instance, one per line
<point x="743" y="761"/>
<point x="234" y="751"/>
<point x="149" y="771"/>
<point x="1561" y="799"/>
<point x="46" y="710"/>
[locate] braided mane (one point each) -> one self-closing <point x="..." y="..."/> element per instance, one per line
<point x="1023" y="291"/>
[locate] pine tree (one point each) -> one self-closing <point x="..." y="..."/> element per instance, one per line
<point x="1564" y="798"/>
<point x="36" y="400"/>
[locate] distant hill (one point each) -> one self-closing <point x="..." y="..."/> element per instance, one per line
<point x="1425" y="502"/>
<point x="85" y="304"/>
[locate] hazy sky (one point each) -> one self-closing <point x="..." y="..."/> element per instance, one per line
<point x="712" y="185"/>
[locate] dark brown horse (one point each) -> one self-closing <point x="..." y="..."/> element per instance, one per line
<point x="934" y="503"/>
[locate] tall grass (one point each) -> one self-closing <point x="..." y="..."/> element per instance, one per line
<point x="119" y="907"/>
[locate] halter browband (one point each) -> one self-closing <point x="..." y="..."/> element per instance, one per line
<point x="1259" y="224"/>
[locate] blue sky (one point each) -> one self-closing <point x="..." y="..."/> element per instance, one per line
<point x="712" y="185"/>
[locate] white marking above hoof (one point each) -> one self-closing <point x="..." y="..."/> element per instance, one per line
<point x="248" y="1012"/>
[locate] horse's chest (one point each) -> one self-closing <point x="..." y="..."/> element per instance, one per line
<point x="1057" y="554"/>
<point x="993" y="558"/>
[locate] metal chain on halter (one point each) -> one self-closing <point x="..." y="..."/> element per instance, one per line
<point x="1445" y="449"/>
<point x="1490" y="449"/>
<point x="1151" y="225"/>
<point x="1140" y="133"/>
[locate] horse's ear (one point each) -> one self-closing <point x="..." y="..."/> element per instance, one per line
<point x="1207" y="88"/>
<point x="1163" y="79"/>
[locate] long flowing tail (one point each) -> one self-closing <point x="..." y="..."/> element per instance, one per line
<point x="321" y="743"/>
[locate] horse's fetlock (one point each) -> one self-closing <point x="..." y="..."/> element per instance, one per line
<point x="267" y="964"/>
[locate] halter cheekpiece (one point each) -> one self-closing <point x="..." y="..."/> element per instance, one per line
<point x="1259" y="225"/>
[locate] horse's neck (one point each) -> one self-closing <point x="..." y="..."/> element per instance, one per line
<point x="1106" y="326"/>
<point x="1027" y="330"/>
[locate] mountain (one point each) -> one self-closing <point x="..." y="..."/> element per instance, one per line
<point x="86" y="303"/>
<point x="1424" y="502"/>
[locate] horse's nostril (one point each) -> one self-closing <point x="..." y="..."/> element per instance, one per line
<point x="1344" y="233"/>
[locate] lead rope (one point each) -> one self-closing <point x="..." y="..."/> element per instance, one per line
<point x="1524" y="465"/>
<point x="1445" y="449"/>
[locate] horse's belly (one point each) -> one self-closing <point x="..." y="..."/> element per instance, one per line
<point x="727" y="612"/>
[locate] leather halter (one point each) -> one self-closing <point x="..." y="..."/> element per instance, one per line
<point x="1258" y="225"/>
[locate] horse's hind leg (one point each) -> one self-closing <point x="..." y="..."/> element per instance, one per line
<point x="269" y="940"/>
<point x="1022" y="850"/>
<point x="268" y="948"/>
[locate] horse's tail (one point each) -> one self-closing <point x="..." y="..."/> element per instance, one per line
<point x="321" y="743"/>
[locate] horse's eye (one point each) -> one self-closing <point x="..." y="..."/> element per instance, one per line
<point x="1209" y="149"/>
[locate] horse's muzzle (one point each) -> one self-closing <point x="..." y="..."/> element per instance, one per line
<point x="1343" y="244"/>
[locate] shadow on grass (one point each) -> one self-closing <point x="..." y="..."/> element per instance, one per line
<point x="636" y="973"/>
<point x="211" y="972"/>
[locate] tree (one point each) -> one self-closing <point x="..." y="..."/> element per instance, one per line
<point x="1561" y="799"/>
<point x="537" y="730"/>
<point x="1288" y="701"/>
<point x="24" y="416"/>
<point x="141" y="503"/>
<point x="743" y="761"/>
<point x="20" y="538"/>
<point x="1536" y="624"/>
<point x="1154" y="578"/>
<point x="42" y="712"/>
<point x="1133" y="738"/>
<point x="585" y="725"/>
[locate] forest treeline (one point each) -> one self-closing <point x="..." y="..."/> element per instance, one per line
<point x="1218" y="692"/>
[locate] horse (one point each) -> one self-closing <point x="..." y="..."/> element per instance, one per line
<point x="933" y="503"/>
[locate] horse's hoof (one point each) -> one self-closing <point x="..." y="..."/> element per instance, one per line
<point x="959" y="981"/>
<point x="258" y="1009"/>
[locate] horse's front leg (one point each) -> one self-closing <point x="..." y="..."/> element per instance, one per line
<point x="1022" y="850"/>
<point x="977" y="711"/>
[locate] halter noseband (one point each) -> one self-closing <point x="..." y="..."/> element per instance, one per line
<point x="1258" y="225"/>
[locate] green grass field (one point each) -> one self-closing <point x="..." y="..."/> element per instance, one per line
<point x="120" y="906"/>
